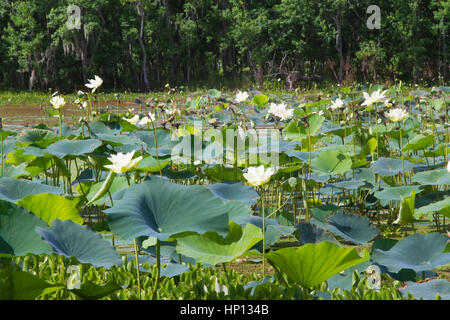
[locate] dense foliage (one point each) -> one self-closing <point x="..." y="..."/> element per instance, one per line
<point x="145" y="44"/>
<point x="154" y="203"/>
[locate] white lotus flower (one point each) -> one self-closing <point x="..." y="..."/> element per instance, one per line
<point x="281" y="111"/>
<point x="257" y="176"/>
<point x="376" y="97"/>
<point x="134" y="121"/>
<point x="144" y="121"/>
<point x="448" y="166"/>
<point x="396" y="115"/>
<point x="337" y="104"/>
<point x="241" y="96"/>
<point x="94" y="84"/>
<point x="122" y="163"/>
<point x="57" y="102"/>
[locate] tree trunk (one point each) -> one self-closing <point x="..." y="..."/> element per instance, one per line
<point x="171" y="42"/>
<point x="337" y="20"/>
<point x="141" y="13"/>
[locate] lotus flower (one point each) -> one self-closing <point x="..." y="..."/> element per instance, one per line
<point x="57" y="102"/>
<point x="337" y="104"/>
<point x="122" y="163"/>
<point x="281" y="111"/>
<point x="94" y="84"/>
<point x="241" y="96"/>
<point x="396" y="115"/>
<point x="257" y="176"/>
<point x="376" y="97"/>
<point x="134" y="121"/>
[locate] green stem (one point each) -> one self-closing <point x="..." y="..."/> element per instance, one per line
<point x="264" y="232"/>
<point x="158" y="268"/>
<point x="137" y="268"/>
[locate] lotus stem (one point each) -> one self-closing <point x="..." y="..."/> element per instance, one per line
<point x="158" y="268"/>
<point x="264" y="232"/>
<point x="137" y="268"/>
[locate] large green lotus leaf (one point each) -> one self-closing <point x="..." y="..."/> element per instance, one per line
<point x="388" y="167"/>
<point x="173" y="270"/>
<point x="17" y="157"/>
<point x="13" y="190"/>
<point x="164" y="142"/>
<point x="72" y="240"/>
<point x="39" y="137"/>
<point x="119" y="140"/>
<point x="331" y="162"/>
<point x="347" y="185"/>
<point x="309" y="233"/>
<point x="312" y="264"/>
<point x="15" y="171"/>
<point x="63" y="148"/>
<point x="17" y="231"/>
<point x="274" y="230"/>
<point x="49" y="207"/>
<point x="26" y="286"/>
<point x="100" y="127"/>
<point x="434" y="177"/>
<point x="150" y="164"/>
<point x="302" y="156"/>
<point x="260" y="100"/>
<point x="234" y="191"/>
<point x="38" y="166"/>
<point x="345" y="280"/>
<point x="419" y="142"/>
<point x="298" y="133"/>
<point x="354" y="228"/>
<point x="429" y="198"/>
<point x="428" y="290"/>
<point x="69" y="132"/>
<point x="320" y="213"/>
<point x="220" y="173"/>
<point x="161" y="209"/>
<point x="442" y="207"/>
<point x="396" y="193"/>
<point x="417" y="252"/>
<point x="238" y="212"/>
<point x="212" y="249"/>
